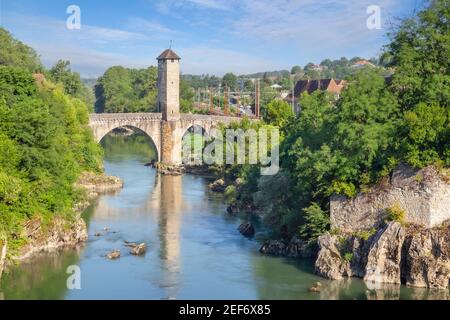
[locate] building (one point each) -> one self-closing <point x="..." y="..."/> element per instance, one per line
<point x="276" y="87"/>
<point x="309" y="86"/>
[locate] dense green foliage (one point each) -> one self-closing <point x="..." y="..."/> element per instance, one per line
<point x="135" y="90"/>
<point x="45" y="142"/>
<point x="346" y="145"/>
<point x="420" y="52"/>
<point x="15" y="53"/>
<point x="229" y="80"/>
<point x="126" y="90"/>
<point x="278" y="113"/>
<point x="71" y="81"/>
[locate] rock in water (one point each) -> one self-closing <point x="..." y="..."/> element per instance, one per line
<point x="428" y="259"/>
<point x="218" y="185"/>
<point x="384" y="257"/>
<point x="232" y="209"/>
<point x="138" y="250"/>
<point x="247" y="229"/>
<point x="115" y="254"/>
<point x="273" y="247"/>
<point x="316" y="288"/>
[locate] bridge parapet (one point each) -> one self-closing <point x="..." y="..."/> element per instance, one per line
<point x="125" y="117"/>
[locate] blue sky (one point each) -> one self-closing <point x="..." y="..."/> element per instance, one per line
<point x="211" y="36"/>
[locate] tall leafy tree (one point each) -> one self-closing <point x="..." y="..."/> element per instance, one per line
<point x="230" y="80"/>
<point x="419" y="52"/>
<point x="15" y="53"/>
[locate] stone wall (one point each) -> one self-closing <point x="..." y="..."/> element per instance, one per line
<point x="424" y="195"/>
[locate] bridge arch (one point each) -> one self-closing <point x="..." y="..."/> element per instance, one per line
<point x="152" y="139"/>
<point x="149" y="123"/>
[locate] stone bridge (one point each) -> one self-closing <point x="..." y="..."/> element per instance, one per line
<point x="168" y="127"/>
<point x="153" y="124"/>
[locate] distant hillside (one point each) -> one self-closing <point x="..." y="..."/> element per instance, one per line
<point x="269" y="74"/>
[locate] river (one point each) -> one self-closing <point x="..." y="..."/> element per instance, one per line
<point x="194" y="248"/>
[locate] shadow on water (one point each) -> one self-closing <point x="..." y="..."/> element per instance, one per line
<point x="194" y="248"/>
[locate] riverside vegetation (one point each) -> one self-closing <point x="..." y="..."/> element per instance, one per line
<point x="344" y="146"/>
<point x="45" y="144"/>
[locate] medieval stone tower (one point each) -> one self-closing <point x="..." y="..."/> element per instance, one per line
<point x="169" y="106"/>
<point x="169" y="85"/>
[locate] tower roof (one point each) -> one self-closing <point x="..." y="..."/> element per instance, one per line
<point x="168" y="54"/>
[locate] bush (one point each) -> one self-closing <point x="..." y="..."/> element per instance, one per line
<point x="365" y="234"/>
<point x="395" y="213"/>
<point x="316" y="222"/>
<point x="348" y="256"/>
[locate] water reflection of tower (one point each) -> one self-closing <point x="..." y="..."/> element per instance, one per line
<point x="169" y="192"/>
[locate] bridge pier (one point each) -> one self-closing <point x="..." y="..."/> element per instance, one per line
<point x="171" y="140"/>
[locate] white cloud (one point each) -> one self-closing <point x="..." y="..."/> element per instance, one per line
<point x="88" y="62"/>
<point x="211" y="4"/>
<point x="146" y="26"/>
<point x="201" y="59"/>
<point x="314" y="27"/>
<point x="90" y="50"/>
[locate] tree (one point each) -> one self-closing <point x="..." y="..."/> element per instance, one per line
<point x="15" y="53"/>
<point x="187" y="96"/>
<point x="278" y="113"/>
<point x="296" y="69"/>
<point x="419" y="52"/>
<point x="266" y="80"/>
<point x="249" y="85"/>
<point x="127" y="90"/>
<point x="309" y="66"/>
<point x="71" y="81"/>
<point x="45" y="143"/>
<point x="229" y="80"/>
<point x="327" y="63"/>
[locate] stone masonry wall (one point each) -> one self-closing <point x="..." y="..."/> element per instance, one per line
<point x="423" y="194"/>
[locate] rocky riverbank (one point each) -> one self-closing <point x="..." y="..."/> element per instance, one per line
<point x="61" y="232"/>
<point x="44" y="237"/>
<point x="395" y="254"/>
<point x="97" y="184"/>
<point x="295" y="248"/>
<point x="169" y="170"/>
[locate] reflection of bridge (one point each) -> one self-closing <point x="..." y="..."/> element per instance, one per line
<point x="167" y="128"/>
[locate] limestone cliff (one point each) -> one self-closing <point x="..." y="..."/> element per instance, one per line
<point x="414" y="255"/>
